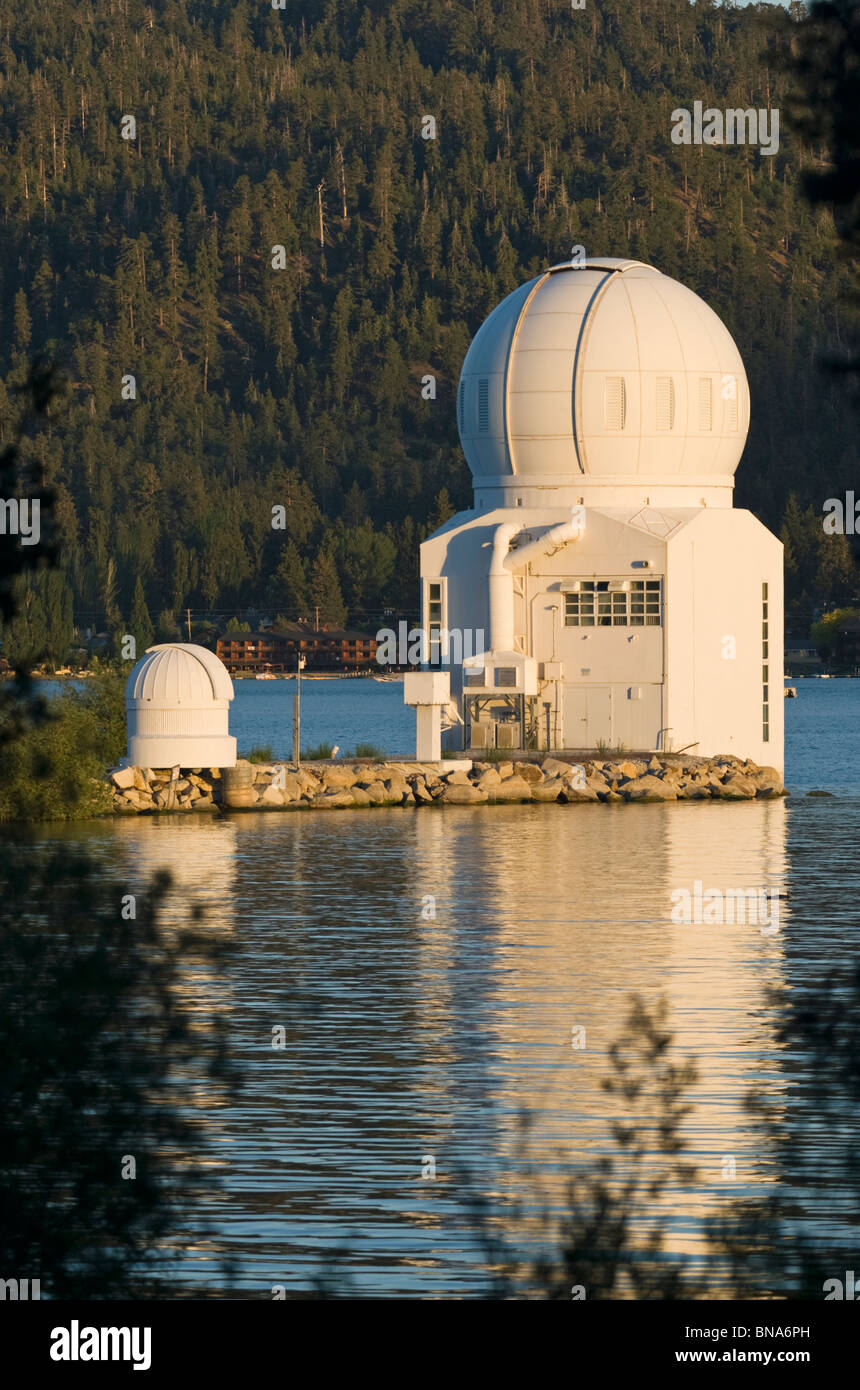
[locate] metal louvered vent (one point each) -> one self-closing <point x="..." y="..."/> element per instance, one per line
<point x="731" y="383"/>
<point x="706" y="412"/>
<point x="461" y="407"/>
<point x="665" y="403"/>
<point x="483" y="404"/>
<point x="615" y="403"/>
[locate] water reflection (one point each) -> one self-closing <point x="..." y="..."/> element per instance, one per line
<point x="410" y="1034"/>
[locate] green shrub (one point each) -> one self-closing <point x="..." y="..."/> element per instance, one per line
<point x="264" y="754"/>
<point x="368" y="750"/>
<point x="322" y="750"/>
<point x="56" y="770"/>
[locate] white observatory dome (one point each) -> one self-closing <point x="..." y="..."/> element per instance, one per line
<point x="177" y="701"/>
<point x="607" y="374"/>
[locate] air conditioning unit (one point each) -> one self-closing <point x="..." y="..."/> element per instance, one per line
<point x="482" y="735"/>
<point x="507" y="735"/>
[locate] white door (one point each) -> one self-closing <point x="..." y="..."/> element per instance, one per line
<point x="587" y="715"/>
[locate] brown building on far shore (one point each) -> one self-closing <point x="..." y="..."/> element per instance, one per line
<point x="332" y="649"/>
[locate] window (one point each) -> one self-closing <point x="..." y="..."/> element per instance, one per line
<point x="765" y="687"/>
<point x="605" y="603"/>
<point x="705" y="404"/>
<point x="665" y="403"/>
<point x="615" y="403"/>
<point x="434" y="619"/>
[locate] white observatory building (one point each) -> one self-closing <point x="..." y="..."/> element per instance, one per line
<point x="624" y="602"/>
<point x="177" y="701"/>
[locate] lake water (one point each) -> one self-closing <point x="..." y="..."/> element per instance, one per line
<point x="430" y="968"/>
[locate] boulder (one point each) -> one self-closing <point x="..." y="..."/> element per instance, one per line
<point x="339" y="777"/>
<point x="421" y="793"/>
<point x="530" y="772"/>
<point x="691" y="791"/>
<point x="629" y="770"/>
<point x="767" y="781"/>
<point x="570" y="793"/>
<point x="334" y="800"/>
<point x="655" y="764"/>
<point x="549" y="789"/>
<point x="510" y="789"/>
<point x="461" y="794"/>
<point x="489" y="778"/>
<point x="397" y="788"/>
<point x="122" y="777"/>
<point x="738" y="788"/>
<point x="555" y="767"/>
<point x="375" y="792"/>
<point x="649" y="788"/>
<point x="271" y="796"/>
<point x="458" y="779"/>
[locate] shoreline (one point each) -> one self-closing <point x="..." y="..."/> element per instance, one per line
<point x="357" y="784"/>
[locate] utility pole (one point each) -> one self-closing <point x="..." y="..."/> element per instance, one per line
<point x="297" y="712"/>
<point x="188" y="615"/>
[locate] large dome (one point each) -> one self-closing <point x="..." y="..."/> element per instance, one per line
<point x="609" y="373"/>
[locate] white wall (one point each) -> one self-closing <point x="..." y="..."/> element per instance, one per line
<point x="715" y="570"/>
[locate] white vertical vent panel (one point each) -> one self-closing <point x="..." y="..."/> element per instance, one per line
<point x="461" y="406"/>
<point x="483" y="405"/>
<point x="706" y="409"/>
<point x="615" y="403"/>
<point x="665" y="403"/>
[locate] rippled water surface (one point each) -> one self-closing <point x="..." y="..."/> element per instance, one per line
<point x="429" y="967"/>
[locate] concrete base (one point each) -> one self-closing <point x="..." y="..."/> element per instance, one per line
<point x="184" y="751"/>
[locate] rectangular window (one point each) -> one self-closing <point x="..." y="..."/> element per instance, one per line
<point x="435" y="618"/>
<point x="602" y="603"/>
<point x="765" y="687"/>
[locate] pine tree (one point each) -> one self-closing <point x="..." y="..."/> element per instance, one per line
<point x="140" y="623"/>
<point x="289" y="586"/>
<point x="325" y="589"/>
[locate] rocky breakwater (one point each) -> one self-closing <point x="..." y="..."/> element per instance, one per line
<point x="138" y="789"/>
<point x="343" y="786"/>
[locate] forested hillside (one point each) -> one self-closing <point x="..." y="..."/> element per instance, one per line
<point x="301" y="128"/>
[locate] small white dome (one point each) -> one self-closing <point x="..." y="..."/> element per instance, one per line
<point x="177" y="708"/>
<point x="609" y="372"/>
<point x="179" y="673"/>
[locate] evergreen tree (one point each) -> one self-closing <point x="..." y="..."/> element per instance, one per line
<point x="140" y="623"/>
<point x="325" y="595"/>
